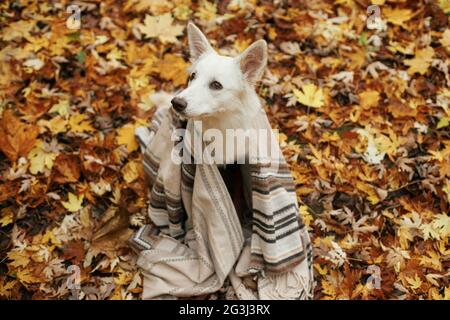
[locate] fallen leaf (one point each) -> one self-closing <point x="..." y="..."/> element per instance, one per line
<point x="125" y="135"/>
<point x="40" y="158"/>
<point x="79" y="123"/>
<point x="16" y="137"/>
<point x="421" y="62"/>
<point x="310" y="95"/>
<point x="161" y="27"/>
<point x="369" y="99"/>
<point x="130" y="171"/>
<point x="173" y="68"/>
<point x="397" y="16"/>
<point x="74" y="202"/>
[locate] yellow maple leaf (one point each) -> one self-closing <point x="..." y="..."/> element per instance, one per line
<point x="62" y="108"/>
<point x="74" y="203"/>
<point x="429" y="232"/>
<point x="125" y="135"/>
<point x="19" y="258"/>
<point x="421" y="61"/>
<point x="173" y="67"/>
<point x="130" y="171"/>
<point x="414" y="283"/>
<point x="50" y="236"/>
<point x="115" y="54"/>
<point x="310" y="95"/>
<point x="442" y="225"/>
<point x="26" y="277"/>
<point x="146" y="103"/>
<point x="445" y="41"/>
<point x="328" y="288"/>
<point x="56" y="125"/>
<point x="306" y="216"/>
<point x="6" y="217"/>
<point x="207" y="11"/>
<point x="182" y="12"/>
<point x="369" y="99"/>
<point x="18" y="29"/>
<point x="161" y="27"/>
<point x="6" y="287"/>
<point x="433" y="260"/>
<point x="123" y="278"/>
<point x="397" y="16"/>
<point x="40" y="158"/>
<point x="445" y="5"/>
<point x="79" y="123"/>
<point x="154" y="6"/>
<point x="322" y="271"/>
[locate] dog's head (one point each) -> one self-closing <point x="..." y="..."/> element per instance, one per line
<point x="217" y="84"/>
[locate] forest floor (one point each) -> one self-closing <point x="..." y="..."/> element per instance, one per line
<point x="359" y="90"/>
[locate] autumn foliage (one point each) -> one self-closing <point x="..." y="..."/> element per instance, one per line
<point x="364" y="116"/>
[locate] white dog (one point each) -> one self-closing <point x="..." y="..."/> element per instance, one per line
<point x="220" y="94"/>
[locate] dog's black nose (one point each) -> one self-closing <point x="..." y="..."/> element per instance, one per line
<point x="179" y="104"/>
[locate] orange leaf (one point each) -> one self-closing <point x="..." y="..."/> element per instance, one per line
<point x="16" y="137"/>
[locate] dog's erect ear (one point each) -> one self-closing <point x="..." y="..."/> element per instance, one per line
<point x="198" y="44"/>
<point x="253" y="61"/>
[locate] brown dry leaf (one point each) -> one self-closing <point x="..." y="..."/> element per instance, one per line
<point x="66" y="169"/>
<point x="16" y="137"/>
<point x="74" y="251"/>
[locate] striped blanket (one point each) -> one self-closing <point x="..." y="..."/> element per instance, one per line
<point x="200" y="235"/>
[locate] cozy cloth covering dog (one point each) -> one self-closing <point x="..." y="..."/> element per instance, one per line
<point x="197" y="240"/>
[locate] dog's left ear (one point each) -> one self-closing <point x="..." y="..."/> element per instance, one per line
<point x="253" y="61"/>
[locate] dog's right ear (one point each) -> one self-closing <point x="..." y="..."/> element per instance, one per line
<point x="198" y="44"/>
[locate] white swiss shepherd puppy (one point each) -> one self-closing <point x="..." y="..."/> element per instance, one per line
<point x="221" y="99"/>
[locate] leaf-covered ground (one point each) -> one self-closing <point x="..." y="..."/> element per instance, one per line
<point x="362" y="103"/>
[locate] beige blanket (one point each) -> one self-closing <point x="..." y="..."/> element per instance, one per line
<point x="196" y="239"/>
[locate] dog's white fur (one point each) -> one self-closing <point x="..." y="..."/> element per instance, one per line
<point x="236" y="104"/>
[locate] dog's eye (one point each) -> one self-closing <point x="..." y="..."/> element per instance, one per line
<point x="192" y="76"/>
<point x="215" y="85"/>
